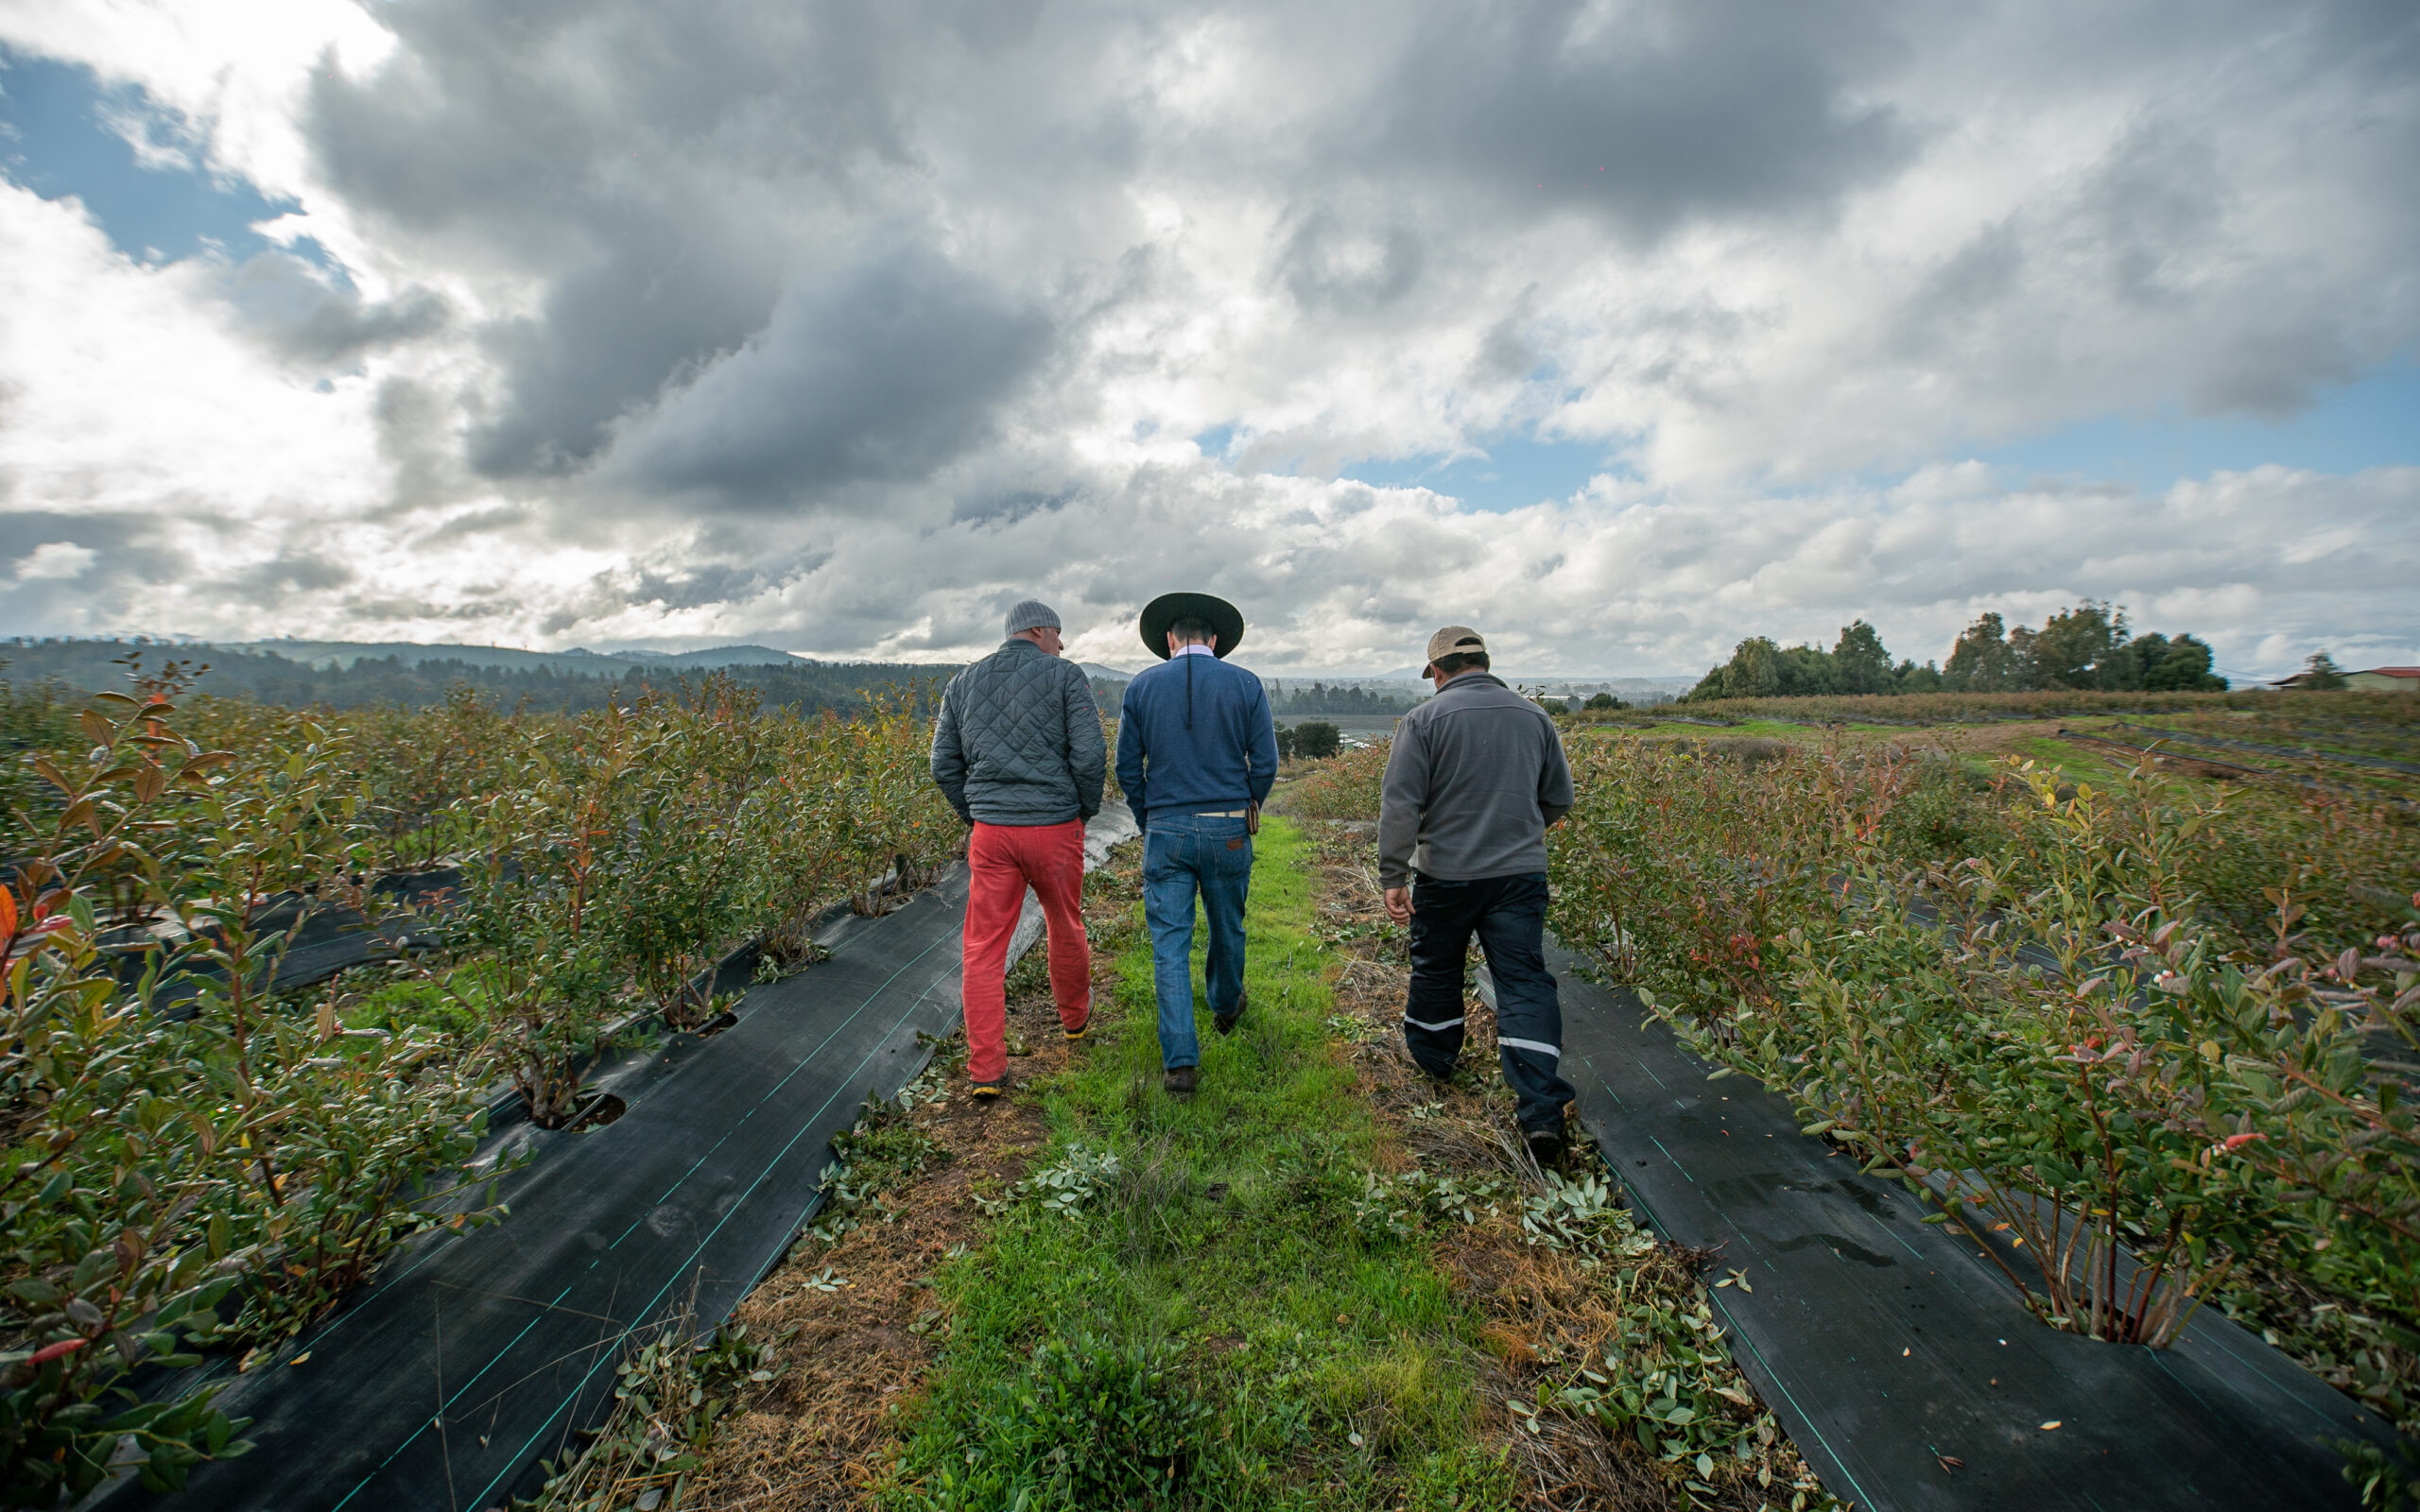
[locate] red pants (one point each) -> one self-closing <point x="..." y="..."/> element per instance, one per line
<point x="1005" y="860"/>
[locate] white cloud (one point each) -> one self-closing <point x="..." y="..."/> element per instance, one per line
<point x="842" y="327"/>
<point x="54" y="561"/>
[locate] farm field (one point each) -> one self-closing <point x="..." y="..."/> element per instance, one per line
<point x="1324" y="1282"/>
<point x="205" y="1158"/>
<point x="2104" y="1005"/>
<point x="2359" y="743"/>
<point x="2180" y="999"/>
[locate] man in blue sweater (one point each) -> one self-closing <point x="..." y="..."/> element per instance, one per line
<point x="1197" y="752"/>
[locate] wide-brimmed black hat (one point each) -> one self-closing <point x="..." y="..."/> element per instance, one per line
<point x="1225" y="619"/>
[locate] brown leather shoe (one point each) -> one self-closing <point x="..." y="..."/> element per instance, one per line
<point x="1179" y="1081"/>
<point x="1226" y="1023"/>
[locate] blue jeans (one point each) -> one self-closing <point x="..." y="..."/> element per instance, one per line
<point x="1185" y="855"/>
<point x="1509" y="915"/>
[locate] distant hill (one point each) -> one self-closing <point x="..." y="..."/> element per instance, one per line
<point x="720" y="656"/>
<point x="341" y="654"/>
<point x="346" y="675"/>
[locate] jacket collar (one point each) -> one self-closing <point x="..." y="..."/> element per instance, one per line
<point x="1471" y="680"/>
<point x="1018" y="642"/>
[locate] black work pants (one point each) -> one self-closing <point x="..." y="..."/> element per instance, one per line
<point x="1509" y="915"/>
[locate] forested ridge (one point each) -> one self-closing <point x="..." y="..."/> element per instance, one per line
<point x="390" y="682"/>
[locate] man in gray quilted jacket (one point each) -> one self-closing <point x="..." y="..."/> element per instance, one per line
<point x="1017" y="751"/>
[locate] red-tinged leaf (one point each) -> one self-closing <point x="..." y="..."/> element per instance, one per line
<point x="151" y="783"/>
<point x="52" y="1351"/>
<point x="100" y="729"/>
<point x="8" y="912"/>
<point x="51" y="774"/>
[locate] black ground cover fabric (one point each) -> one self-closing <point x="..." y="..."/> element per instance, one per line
<point x="325" y="938"/>
<point x="1885" y="1345"/>
<point x="479" y="1354"/>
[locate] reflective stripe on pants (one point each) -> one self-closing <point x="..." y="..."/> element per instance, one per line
<point x="1509" y="916"/>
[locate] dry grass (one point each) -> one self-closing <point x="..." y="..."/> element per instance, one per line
<point x="1542" y="1311"/>
<point x="812" y="1440"/>
<point x="818" y="1435"/>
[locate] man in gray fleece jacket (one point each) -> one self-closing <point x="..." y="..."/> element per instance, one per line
<point x="1017" y="750"/>
<point x="1475" y="776"/>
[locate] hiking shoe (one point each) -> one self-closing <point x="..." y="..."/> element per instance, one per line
<point x="986" y="1092"/>
<point x="1179" y="1081"/>
<point x="1226" y="1023"/>
<point x="1079" y="1030"/>
<point x="1546" y="1147"/>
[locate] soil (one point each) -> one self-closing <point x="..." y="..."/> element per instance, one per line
<point x="816" y="1437"/>
<point x="847" y="1352"/>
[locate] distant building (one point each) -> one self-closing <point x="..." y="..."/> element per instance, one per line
<point x="2376" y="679"/>
<point x="2385" y="679"/>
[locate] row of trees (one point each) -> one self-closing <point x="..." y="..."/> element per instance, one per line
<point x="802" y="687"/>
<point x="1344" y="698"/>
<point x="2087" y="647"/>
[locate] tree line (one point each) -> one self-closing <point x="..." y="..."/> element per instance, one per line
<point x="2090" y="646"/>
<point x="389" y="682"/>
<point x="1344" y="698"/>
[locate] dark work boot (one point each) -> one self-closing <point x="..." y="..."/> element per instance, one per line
<point x="1179" y="1081"/>
<point x="1546" y="1147"/>
<point x="1226" y="1023"/>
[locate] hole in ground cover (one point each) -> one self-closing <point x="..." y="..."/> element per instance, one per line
<point x="602" y="1109"/>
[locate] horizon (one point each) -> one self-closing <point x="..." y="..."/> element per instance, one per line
<point x="1645" y="332"/>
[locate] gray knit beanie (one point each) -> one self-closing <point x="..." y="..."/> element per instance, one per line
<point x="1033" y="615"/>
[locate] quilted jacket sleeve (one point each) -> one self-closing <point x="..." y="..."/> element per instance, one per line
<point x="949" y="751"/>
<point x="1088" y="756"/>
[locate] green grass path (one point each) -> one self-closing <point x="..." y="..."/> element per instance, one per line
<point x="1178" y="1309"/>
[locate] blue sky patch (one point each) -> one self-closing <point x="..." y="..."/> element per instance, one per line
<point x="56" y="140"/>
<point x="2373" y="423"/>
<point x="1513" y="475"/>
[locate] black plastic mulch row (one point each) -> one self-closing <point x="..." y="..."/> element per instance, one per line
<point x="2305" y="754"/>
<point x="479" y="1354"/>
<point x="1888" y="1347"/>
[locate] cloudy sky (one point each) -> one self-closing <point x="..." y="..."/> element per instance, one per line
<point x="1621" y="330"/>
